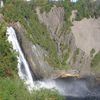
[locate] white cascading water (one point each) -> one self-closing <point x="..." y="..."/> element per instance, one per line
<point x="1" y="4"/>
<point x="28" y="0"/>
<point x="21" y="59"/>
<point x="23" y="65"/>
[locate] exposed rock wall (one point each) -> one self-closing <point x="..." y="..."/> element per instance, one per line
<point x="36" y="57"/>
<point x="87" y="38"/>
<point x="34" y="54"/>
<point x="54" y="21"/>
<point x="87" y="34"/>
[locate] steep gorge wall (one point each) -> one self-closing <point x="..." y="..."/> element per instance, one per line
<point x="36" y="57"/>
<point x="54" y="21"/>
<point x="87" y="38"/>
<point x="66" y="45"/>
<point x="34" y="54"/>
<point x="77" y="57"/>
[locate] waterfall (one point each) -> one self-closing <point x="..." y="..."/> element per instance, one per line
<point x="23" y="67"/>
<point x="1" y="4"/>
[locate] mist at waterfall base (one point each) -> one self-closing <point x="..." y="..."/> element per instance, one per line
<point x="73" y="88"/>
<point x="79" y="89"/>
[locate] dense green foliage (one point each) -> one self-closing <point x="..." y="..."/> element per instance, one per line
<point x="87" y="8"/>
<point x="13" y="89"/>
<point x="8" y="61"/>
<point x="17" y="10"/>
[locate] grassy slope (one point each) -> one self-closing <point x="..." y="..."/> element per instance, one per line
<point x="13" y="89"/>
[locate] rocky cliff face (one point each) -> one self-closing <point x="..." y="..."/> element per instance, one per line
<point x="79" y="42"/>
<point x="36" y="57"/>
<point x="87" y="33"/>
<point x="34" y="54"/>
<point x="54" y="21"/>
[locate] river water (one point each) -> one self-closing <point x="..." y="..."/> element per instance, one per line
<point x="71" y="88"/>
<point x="79" y="89"/>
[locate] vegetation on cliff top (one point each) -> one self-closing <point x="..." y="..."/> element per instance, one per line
<point x="17" y="10"/>
<point x="87" y="8"/>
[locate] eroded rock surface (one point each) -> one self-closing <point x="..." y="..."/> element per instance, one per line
<point x="87" y="34"/>
<point x="36" y="57"/>
<point x="54" y="22"/>
<point x="34" y="54"/>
